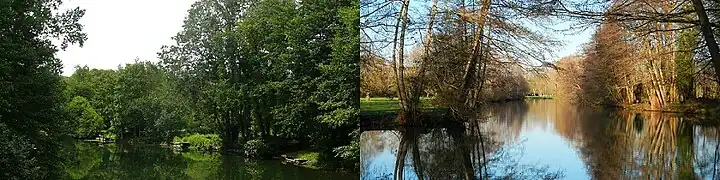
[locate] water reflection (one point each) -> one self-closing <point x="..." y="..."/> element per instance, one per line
<point x="544" y="139"/>
<point x="90" y="161"/>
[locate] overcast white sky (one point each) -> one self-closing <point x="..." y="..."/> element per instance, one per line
<point x="121" y="30"/>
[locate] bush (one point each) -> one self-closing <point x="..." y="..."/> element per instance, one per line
<point x="200" y="141"/>
<point x="349" y="154"/>
<point x="108" y="134"/>
<point x="16" y="158"/>
<point x="255" y="147"/>
<point x="87" y="122"/>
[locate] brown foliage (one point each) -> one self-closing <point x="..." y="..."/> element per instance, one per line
<point x="377" y="78"/>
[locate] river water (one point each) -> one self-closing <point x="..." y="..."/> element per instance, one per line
<point x="545" y="139"/>
<point x="90" y="161"/>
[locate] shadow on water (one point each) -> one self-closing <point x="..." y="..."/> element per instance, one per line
<point x="544" y="139"/>
<point x="116" y="161"/>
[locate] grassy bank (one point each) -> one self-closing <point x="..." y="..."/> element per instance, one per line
<point x="380" y="113"/>
<point x="390" y="106"/>
<point x="310" y="158"/>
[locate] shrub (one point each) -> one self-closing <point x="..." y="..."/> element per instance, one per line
<point x="255" y="147"/>
<point x="200" y="141"/>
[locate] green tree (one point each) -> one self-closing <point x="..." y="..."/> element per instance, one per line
<point x="685" y="64"/>
<point x="86" y="122"/>
<point x="97" y="85"/>
<point x="209" y="69"/>
<point x="31" y="105"/>
<point x="342" y="86"/>
<point x="147" y="106"/>
<point x="277" y="72"/>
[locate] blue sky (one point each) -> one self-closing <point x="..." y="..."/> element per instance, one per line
<point x="574" y="42"/>
<point x="420" y="9"/>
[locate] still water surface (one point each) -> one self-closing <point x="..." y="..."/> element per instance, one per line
<point x="538" y="139"/>
<point x="90" y="161"/>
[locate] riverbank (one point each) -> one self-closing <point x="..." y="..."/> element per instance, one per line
<point x="431" y="117"/>
<point x="306" y="158"/>
<point x="702" y="108"/>
<point x="87" y="160"/>
<point x="382" y="105"/>
<point x="210" y="144"/>
<point x="380" y="113"/>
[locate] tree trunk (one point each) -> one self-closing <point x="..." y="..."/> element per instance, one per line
<point x="417" y="88"/>
<point x="230" y="138"/>
<point x="399" y="56"/>
<point x="708" y="36"/>
<point x="247" y="122"/>
<point x="468" y="77"/>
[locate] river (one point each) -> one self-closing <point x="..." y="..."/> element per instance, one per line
<point x="91" y="161"/>
<point x="538" y="139"/>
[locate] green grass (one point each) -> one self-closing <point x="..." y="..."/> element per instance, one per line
<point x="311" y="157"/>
<point x="375" y="104"/>
<point x="384" y="105"/>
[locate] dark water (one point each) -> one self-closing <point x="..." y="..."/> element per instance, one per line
<point x="90" y="161"/>
<point x="544" y="139"/>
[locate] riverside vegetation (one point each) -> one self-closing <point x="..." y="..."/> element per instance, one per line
<point x="254" y="78"/>
<point x="645" y="55"/>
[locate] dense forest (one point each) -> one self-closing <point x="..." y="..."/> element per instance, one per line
<point x="252" y="77"/>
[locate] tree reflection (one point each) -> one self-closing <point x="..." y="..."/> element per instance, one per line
<point x="647" y="145"/>
<point x="611" y="145"/>
<point x="462" y="151"/>
<point x="408" y="142"/>
<point x="124" y="161"/>
<point x="120" y="161"/>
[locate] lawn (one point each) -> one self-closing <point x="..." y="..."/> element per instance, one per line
<point x="384" y="105"/>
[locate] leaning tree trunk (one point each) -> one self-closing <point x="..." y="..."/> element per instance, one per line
<point x="417" y="87"/>
<point x="411" y="116"/>
<point x="708" y="36"/>
<point x="468" y="77"/>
